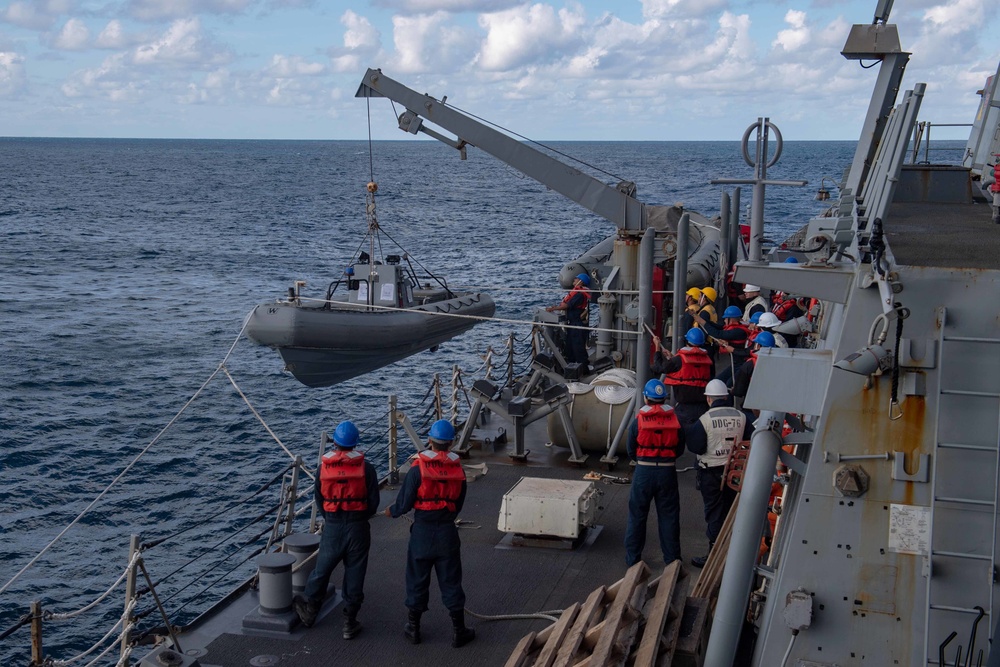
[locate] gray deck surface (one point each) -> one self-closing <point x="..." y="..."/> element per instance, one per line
<point x="943" y="235"/>
<point x="496" y="581"/>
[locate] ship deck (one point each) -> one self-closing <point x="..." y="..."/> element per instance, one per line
<point x="498" y="579"/>
<point x="946" y="235"/>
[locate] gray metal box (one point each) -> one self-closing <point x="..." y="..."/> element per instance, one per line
<point x="552" y="507"/>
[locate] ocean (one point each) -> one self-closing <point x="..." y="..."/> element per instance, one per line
<point x="128" y="267"/>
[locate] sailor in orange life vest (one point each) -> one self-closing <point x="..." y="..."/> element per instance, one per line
<point x="655" y="440"/>
<point x="434" y="488"/>
<point x="577" y="315"/>
<point x="712" y="438"/>
<point x="687" y="372"/>
<point x="348" y="495"/>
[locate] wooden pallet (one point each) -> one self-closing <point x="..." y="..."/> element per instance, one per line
<point x="634" y="619"/>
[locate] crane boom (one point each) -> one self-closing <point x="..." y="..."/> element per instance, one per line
<point x="614" y="203"/>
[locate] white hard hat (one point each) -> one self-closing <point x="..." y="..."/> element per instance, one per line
<point x="716" y="388"/>
<point x="751" y="288"/>
<point x="768" y="320"/>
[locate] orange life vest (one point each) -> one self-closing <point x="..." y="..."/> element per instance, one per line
<point x="441" y="478"/>
<point x="742" y="327"/>
<point x="695" y="370"/>
<point x="342" y="482"/>
<point x="782" y="309"/>
<point x="658" y="429"/>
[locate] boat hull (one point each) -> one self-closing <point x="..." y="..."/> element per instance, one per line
<point x="325" y="346"/>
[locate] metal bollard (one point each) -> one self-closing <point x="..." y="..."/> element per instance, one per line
<point x="302" y="545"/>
<point x="275" y="583"/>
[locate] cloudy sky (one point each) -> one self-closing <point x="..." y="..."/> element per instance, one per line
<point x="551" y="69"/>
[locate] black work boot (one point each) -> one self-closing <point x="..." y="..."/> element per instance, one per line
<point x="463" y="635"/>
<point x="699" y="561"/>
<point x="412" y="629"/>
<point x="351" y="625"/>
<point x="307" y="610"/>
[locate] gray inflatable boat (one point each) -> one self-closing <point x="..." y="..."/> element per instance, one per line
<point x="387" y="314"/>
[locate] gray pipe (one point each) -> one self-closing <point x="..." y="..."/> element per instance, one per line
<point x="734" y="227"/>
<point x="725" y="243"/>
<point x="741" y="562"/>
<point x="606" y="309"/>
<point x="626" y="420"/>
<point x="680" y="278"/>
<point x="646" y="249"/>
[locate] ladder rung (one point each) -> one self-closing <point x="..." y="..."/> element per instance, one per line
<point x="964" y="501"/>
<point x="959" y="445"/>
<point x="961" y="610"/>
<point x="957" y="554"/>
<point x="963" y="392"/>
<point x="966" y="339"/>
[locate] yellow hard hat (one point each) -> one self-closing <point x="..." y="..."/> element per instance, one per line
<point x="694" y="293"/>
<point x="710" y="293"/>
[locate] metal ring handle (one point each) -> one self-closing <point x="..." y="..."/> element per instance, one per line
<point x="777" y="150"/>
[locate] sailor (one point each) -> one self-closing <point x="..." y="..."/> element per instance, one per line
<point x="655" y="440"/>
<point x="706" y="304"/>
<point x="767" y="322"/>
<point x="755" y="303"/>
<point x="575" y="304"/>
<point x="741" y="381"/>
<point x="687" y="372"/>
<point x="347" y="492"/>
<point x="712" y="438"/>
<point x="732" y="339"/>
<point x="434" y="487"/>
<point x="691" y="300"/>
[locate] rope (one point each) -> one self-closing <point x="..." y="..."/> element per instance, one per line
<point x="115" y="480"/>
<point x="551" y="615"/>
<point x="62" y="616"/>
<point x="480" y="318"/>
<point x="119" y="623"/>
<point x="21" y="622"/>
<point x="262" y="422"/>
<point x="267" y="485"/>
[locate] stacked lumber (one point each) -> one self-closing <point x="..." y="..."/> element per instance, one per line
<point x="710" y="578"/>
<point x="634" y="620"/>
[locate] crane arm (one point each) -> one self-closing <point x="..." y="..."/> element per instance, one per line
<point x="617" y="204"/>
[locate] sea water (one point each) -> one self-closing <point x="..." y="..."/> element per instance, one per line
<point x="128" y="267"/>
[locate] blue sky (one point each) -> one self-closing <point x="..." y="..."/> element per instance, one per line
<point x="594" y="69"/>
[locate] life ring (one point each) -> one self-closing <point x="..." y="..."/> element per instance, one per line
<point x="778" y="143"/>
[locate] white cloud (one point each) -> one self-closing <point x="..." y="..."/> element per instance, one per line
<point x="528" y="33"/>
<point x="677" y="9"/>
<point x="361" y="41"/>
<point x="12" y="76"/>
<point x="796" y="36"/>
<point x="112" y="36"/>
<point x="74" y="36"/>
<point x="182" y="43"/>
<point x="112" y="80"/>
<point x="429" y="43"/>
<point x="291" y="66"/>
<point x="159" y="10"/>
<point x="40" y="15"/>
<point x="431" y="6"/>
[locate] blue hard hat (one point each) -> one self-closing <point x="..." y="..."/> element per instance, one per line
<point x="764" y="339"/>
<point x="755" y="318"/>
<point x="346" y="435"/>
<point x="442" y="431"/>
<point x="584" y="278"/>
<point x="791" y="260"/>
<point x="655" y="390"/>
<point x="695" y="336"/>
<point x="732" y="311"/>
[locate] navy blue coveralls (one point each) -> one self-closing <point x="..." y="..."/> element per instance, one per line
<point x="434" y="545"/>
<point x="653" y="483"/>
<point x="718" y="497"/>
<point x="346" y="537"/>
<point x="577" y="315"/>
